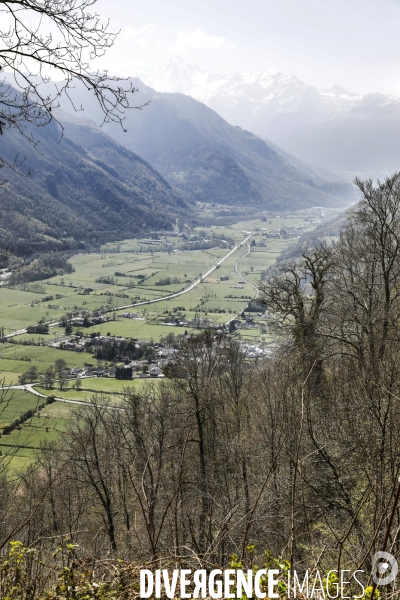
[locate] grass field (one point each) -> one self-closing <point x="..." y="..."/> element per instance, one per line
<point x="121" y="274"/>
<point x="16" y="359"/>
<point x="38" y="432"/>
<point x="113" y="389"/>
<point x="109" y="279"/>
<point x="15" y="402"/>
<point x="20" y="446"/>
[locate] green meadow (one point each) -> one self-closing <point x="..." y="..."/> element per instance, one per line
<point x="118" y="278"/>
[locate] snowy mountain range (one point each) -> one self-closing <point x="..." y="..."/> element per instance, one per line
<point x="330" y="128"/>
<point x="271" y="92"/>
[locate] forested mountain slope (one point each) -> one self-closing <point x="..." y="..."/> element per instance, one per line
<point x="204" y="156"/>
<point x="70" y="198"/>
<point x="199" y="152"/>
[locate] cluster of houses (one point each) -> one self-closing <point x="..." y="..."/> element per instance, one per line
<point x="224" y="209"/>
<point x="179" y="233"/>
<point x="92" y="371"/>
<point x="74" y="344"/>
<point x="78" y="343"/>
<point x="185" y="234"/>
<point x="284" y="232"/>
<point x="271" y="233"/>
<point x="139" y="368"/>
<point x="163" y="356"/>
<point x="255" y="350"/>
<point x="96" y="318"/>
<point x="197" y="323"/>
<point x="288" y="231"/>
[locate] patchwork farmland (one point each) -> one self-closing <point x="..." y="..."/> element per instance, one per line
<point x="121" y="281"/>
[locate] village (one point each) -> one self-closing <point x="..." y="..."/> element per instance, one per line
<point x="122" y="313"/>
<point x="128" y="358"/>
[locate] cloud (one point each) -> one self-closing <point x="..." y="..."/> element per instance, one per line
<point x="153" y="34"/>
<point x="143" y="35"/>
<point x="197" y="40"/>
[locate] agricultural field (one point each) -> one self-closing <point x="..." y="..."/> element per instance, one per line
<point x="120" y="278"/>
<point x="129" y="273"/>
<point x="112" y="389"/>
<point x="42" y="427"/>
<point x="15" y="402"/>
<point x="16" y="359"/>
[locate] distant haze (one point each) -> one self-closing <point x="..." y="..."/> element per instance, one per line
<point x="330" y="128"/>
<point x="321" y="80"/>
<point x="354" y="44"/>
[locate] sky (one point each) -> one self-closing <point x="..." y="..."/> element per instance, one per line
<point x="353" y="43"/>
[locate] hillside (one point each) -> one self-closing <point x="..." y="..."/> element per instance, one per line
<point x="204" y="156"/>
<point x="200" y="153"/>
<point x="70" y="198"/>
<point x="330" y="128"/>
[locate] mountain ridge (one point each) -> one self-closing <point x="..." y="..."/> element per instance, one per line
<point x="67" y="199"/>
<point x="351" y="134"/>
<point x="201" y="154"/>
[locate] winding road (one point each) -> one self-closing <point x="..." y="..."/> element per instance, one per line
<point x="30" y="387"/>
<point x="244" y="278"/>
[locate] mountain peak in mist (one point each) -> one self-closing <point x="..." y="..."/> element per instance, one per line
<point x="331" y="128"/>
<point x="179" y="76"/>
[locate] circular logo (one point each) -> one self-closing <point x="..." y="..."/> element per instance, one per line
<point x="384" y="568"/>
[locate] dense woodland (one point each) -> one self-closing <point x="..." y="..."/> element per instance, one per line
<point x="228" y="463"/>
<point x="69" y="200"/>
<point x="43" y="266"/>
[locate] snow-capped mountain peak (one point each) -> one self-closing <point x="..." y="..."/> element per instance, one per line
<point x="332" y="128"/>
<point x="178" y="76"/>
<point x="270" y="92"/>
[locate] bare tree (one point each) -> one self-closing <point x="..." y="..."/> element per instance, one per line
<point x="95" y="458"/>
<point x="49" y="378"/>
<point x="32" y="373"/>
<point x="61" y="38"/>
<point x="59" y="366"/>
<point x="296" y="295"/>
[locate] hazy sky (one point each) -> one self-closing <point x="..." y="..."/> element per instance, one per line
<point x="355" y="43"/>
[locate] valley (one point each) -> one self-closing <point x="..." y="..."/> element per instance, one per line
<point x="150" y="292"/>
<point x="333" y="129"/>
<point x="199" y="300"/>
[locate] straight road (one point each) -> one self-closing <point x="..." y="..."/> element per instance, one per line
<point x="192" y="285"/>
<point x="187" y="289"/>
<point x="244" y="279"/>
